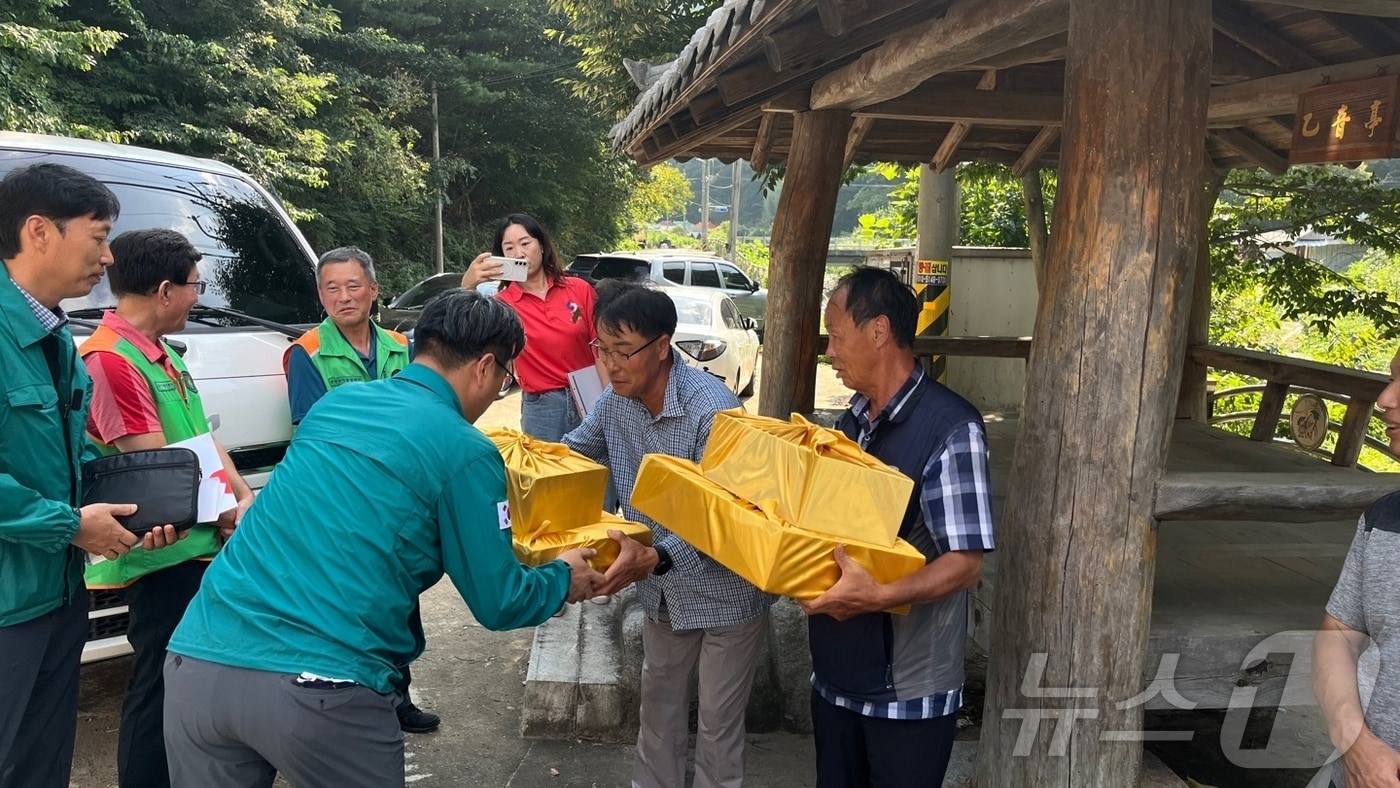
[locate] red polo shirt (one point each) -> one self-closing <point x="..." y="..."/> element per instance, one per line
<point x="558" y="329"/>
<point x="122" y="404"/>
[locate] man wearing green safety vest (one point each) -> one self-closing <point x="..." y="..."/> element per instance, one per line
<point x="144" y="398"/>
<point x="349" y="347"/>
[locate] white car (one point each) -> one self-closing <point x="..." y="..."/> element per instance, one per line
<point x="262" y="294"/>
<point x="713" y="336"/>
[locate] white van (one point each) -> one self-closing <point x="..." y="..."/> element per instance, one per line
<point x="262" y="294"/>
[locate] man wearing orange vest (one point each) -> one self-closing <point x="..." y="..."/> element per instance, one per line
<point x="349" y="347"/>
<point x="144" y="398"/>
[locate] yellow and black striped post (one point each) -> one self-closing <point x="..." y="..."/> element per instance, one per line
<point x="931" y="288"/>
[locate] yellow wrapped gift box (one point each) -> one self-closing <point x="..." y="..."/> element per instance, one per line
<point x="760" y="547"/>
<point x="808" y="475"/>
<point x="548" y="546"/>
<point x="550" y="488"/>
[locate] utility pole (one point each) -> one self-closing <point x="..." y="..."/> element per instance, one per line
<point x="437" y="172"/>
<point x="734" y="212"/>
<point x="705" y="203"/>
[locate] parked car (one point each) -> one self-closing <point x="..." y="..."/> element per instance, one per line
<point x="582" y="264"/>
<point x="401" y="314"/>
<point x="262" y="294"/>
<point x="686" y="268"/>
<point x="713" y="336"/>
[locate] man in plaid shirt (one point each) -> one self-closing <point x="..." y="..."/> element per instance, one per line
<point x="886" y="688"/>
<point x="697" y="612"/>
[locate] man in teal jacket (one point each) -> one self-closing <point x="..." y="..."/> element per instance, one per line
<point x="287" y="657"/>
<point x="54" y="223"/>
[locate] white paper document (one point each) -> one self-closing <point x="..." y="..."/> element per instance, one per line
<point x="215" y="493"/>
<point x="585" y="387"/>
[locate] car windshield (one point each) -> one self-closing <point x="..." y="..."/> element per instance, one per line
<point x="620" y="268"/>
<point x="252" y="262"/>
<point x="693" y="311"/>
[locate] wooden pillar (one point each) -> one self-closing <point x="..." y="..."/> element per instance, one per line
<point x="801" y="233"/>
<point x="1191" y="401"/>
<point x="1077" y="541"/>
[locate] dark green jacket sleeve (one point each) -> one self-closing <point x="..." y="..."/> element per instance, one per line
<point x="476" y="553"/>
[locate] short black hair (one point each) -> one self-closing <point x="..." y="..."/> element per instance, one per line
<point x="641" y="308"/>
<point x="145" y="258"/>
<point x="872" y="292"/>
<point x="459" y="326"/>
<point x="56" y="192"/>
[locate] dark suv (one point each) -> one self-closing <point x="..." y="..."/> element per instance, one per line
<point x="686" y="268"/>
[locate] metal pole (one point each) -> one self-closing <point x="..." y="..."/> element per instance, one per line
<point x="705" y="203"/>
<point x="437" y="220"/>
<point x="734" y="212"/>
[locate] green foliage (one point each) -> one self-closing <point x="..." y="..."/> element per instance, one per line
<point x="1335" y="201"/>
<point x="607" y="31"/>
<point x="663" y="191"/>
<point x="34" y="43"/>
<point x="993" y="209"/>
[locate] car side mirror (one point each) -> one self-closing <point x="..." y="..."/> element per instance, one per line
<point x="753" y="286"/>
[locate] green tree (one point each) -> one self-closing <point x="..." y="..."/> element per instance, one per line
<point x="663" y="191"/>
<point x="34" y="43"/>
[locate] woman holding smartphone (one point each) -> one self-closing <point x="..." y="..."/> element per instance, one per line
<point x="557" y="311"/>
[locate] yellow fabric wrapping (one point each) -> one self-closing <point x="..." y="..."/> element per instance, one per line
<point x="808" y="475"/>
<point x="550" y="487"/>
<point x="548" y="546"/>
<point x="774" y="555"/>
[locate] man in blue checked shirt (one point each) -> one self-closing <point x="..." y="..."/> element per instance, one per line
<point x="698" y="614"/>
<point x="886" y="689"/>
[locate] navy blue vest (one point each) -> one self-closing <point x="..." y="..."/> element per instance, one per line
<point x="864" y="658"/>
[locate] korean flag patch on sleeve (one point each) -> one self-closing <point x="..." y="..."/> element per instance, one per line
<point x="503" y="514"/>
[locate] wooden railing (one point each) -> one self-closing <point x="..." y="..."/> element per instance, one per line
<point x="1356" y="389"/>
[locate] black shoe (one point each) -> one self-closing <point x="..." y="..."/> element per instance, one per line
<point x="414" y="720"/>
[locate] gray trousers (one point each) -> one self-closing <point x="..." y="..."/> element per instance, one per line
<point x="228" y="727"/>
<point x="39" y="673"/>
<point x="726" y="657"/>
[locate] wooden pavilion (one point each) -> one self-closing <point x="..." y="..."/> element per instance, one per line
<point x="1139" y="104"/>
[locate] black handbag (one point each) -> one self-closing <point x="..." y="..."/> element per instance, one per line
<point x="163" y="483"/>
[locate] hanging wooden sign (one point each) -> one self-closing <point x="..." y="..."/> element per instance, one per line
<point x="1346" y="121"/>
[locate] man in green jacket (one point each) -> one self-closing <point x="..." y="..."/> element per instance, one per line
<point x="54" y="223"/>
<point x="287" y="658"/>
<point x="348" y="347"/>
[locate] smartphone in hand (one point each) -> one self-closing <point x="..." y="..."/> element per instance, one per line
<point x="512" y="269"/>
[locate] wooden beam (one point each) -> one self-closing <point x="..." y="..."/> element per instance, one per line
<point x="763" y="142"/>
<point x="1252" y="150"/>
<point x="1378" y="39"/>
<point x="1034" y="151"/>
<point x="1297" y="372"/>
<point x="1352" y="436"/>
<point x="680" y="142"/>
<point x="1192" y="400"/>
<point x="799" y="100"/>
<point x="1270" y="409"/>
<point x="706" y="107"/>
<point x="839" y="17"/>
<point x="1077" y="536"/>
<point x="1250" y="31"/>
<point x="1046" y="50"/>
<point x="1301" y="497"/>
<point x="1387" y="8"/>
<point x="1278" y="95"/>
<point x="948" y="149"/>
<point x="801" y="227"/>
<point x="984" y="108"/>
<point x="971" y="30"/>
<point x="859" y="128"/>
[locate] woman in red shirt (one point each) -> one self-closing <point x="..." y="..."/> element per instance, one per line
<point x="557" y="311"/>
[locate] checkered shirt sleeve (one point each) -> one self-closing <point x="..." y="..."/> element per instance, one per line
<point x="957" y="493"/>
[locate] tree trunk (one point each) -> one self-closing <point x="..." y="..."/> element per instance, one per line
<point x="1077" y="542"/>
<point x="1191" y="402"/>
<point x="801" y="233"/>
<point x="1036" y="227"/>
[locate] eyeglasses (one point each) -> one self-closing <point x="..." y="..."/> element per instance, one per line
<point x="199" y="287"/>
<point x="616" y="356"/>
<point x="508" y="367"/>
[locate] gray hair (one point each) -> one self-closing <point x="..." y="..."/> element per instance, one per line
<point x="459" y="326"/>
<point x="347" y="254"/>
